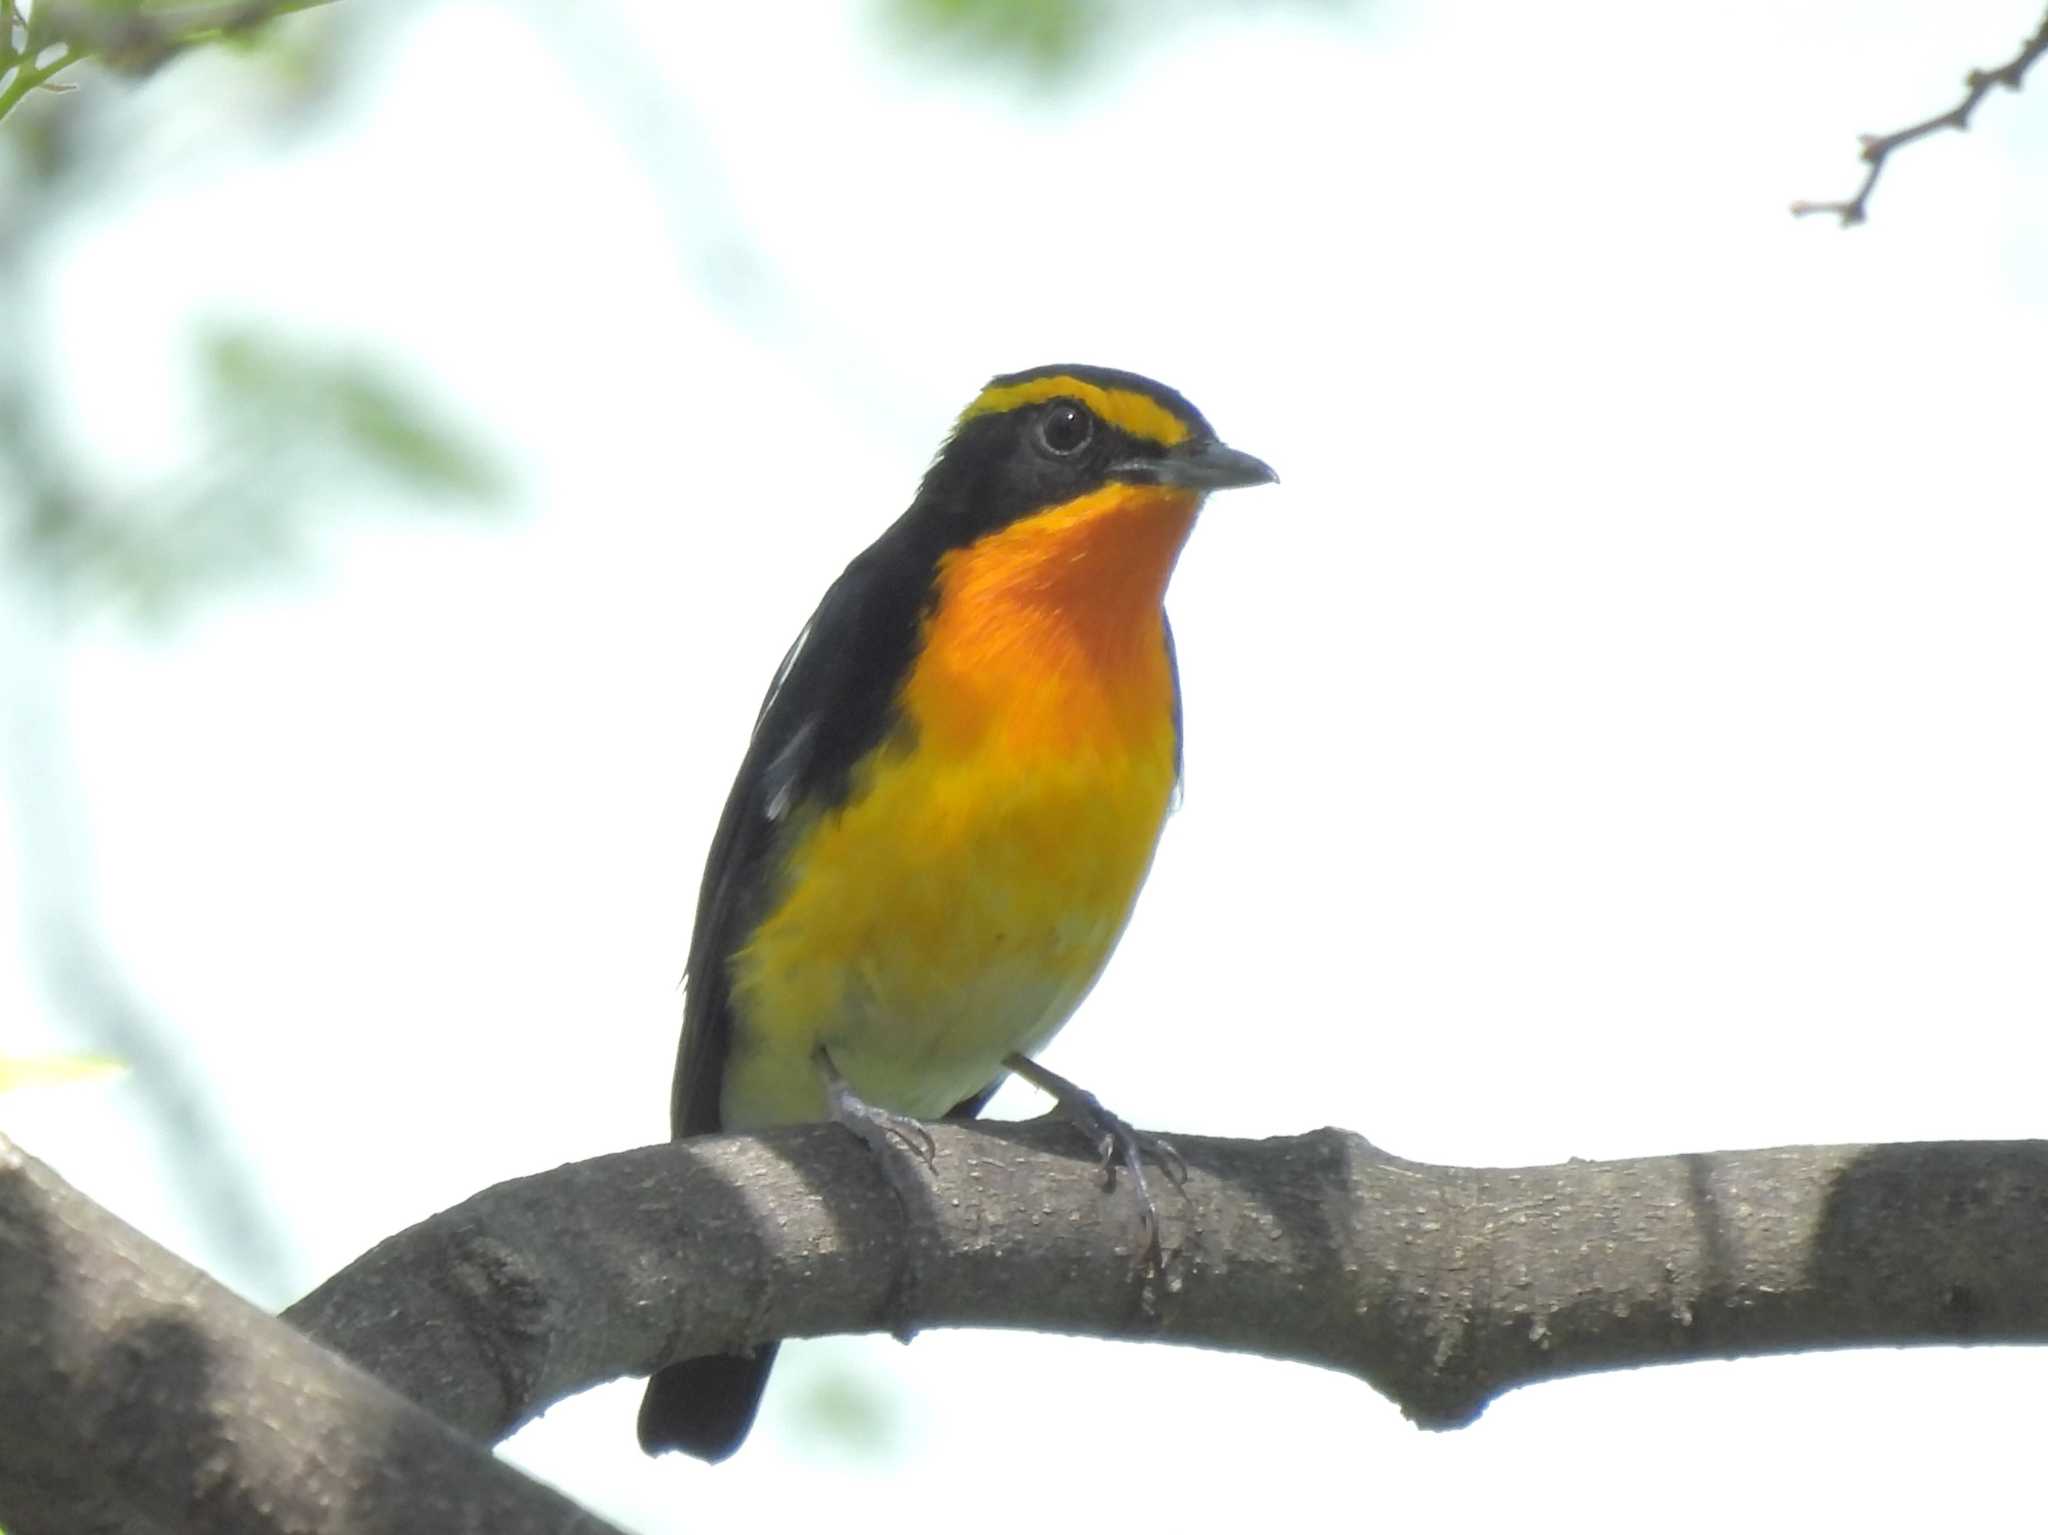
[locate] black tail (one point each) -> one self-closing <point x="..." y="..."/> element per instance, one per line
<point x="705" y="1406"/>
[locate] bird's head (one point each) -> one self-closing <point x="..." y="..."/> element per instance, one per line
<point x="1054" y="436"/>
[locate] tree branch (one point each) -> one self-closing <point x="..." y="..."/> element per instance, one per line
<point x="1877" y="148"/>
<point x="1441" y="1286"/>
<point x="140" y="1395"/>
<point x="136" y="1387"/>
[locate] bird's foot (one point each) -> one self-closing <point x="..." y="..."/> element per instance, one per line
<point x="885" y="1134"/>
<point x="883" y="1131"/>
<point x="1115" y="1141"/>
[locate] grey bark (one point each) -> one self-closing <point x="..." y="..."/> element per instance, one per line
<point x="131" y="1381"/>
<point x="1440" y="1286"/>
<point x="138" y="1395"/>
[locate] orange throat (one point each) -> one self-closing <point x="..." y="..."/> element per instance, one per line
<point x="1049" y="633"/>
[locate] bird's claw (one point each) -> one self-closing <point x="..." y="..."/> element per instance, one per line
<point x="1117" y="1145"/>
<point x="881" y="1130"/>
<point x="1122" y="1146"/>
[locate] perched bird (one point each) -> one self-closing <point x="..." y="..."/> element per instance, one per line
<point x="953" y="793"/>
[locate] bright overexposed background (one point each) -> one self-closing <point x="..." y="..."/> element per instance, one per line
<point x="1622" y="731"/>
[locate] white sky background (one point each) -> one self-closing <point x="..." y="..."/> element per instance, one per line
<point x="1620" y="733"/>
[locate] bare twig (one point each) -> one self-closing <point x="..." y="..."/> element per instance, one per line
<point x="1877" y="147"/>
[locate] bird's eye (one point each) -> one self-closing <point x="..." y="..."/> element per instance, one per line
<point x="1065" y="429"/>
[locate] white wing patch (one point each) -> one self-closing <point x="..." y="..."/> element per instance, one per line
<point x="779" y="777"/>
<point x="782" y="672"/>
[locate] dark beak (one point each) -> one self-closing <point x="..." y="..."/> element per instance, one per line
<point x="1198" y="465"/>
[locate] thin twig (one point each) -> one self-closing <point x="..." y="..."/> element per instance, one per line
<point x="137" y="42"/>
<point x="133" y="43"/>
<point x="29" y="75"/>
<point x="1877" y="147"/>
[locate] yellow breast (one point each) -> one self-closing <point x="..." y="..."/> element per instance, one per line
<point x="963" y="900"/>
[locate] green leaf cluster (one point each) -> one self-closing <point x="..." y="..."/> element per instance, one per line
<point x="281" y="398"/>
<point x="294" y="432"/>
<point x="1052" y="42"/>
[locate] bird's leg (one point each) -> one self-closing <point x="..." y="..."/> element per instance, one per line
<point x="882" y="1130"/>
<point x="1118" y="1144"/>
<point x="884" y="1133"/>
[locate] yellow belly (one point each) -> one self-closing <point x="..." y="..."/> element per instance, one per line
<point x="957" y="909"/>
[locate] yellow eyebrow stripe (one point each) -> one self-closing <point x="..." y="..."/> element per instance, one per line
<point x="1138" y="414"/>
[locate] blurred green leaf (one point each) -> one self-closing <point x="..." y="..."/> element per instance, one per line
<point x="291" y="430"/>
<point x="844" y="1411"/>
<point x="1048" y="38"/>
<point x="282" y="396"/>
<point x="1053" y="42"/>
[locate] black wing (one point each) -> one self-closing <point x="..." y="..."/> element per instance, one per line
<point x="833" y="700"/>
